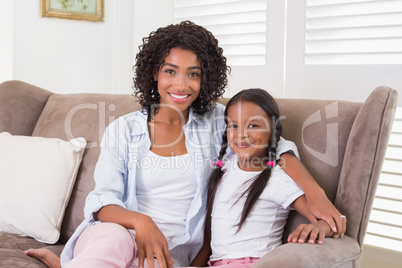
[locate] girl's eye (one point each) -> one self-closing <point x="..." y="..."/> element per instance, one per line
<point x="232" y="126"/>
<point x="169" y="71"/>
<point x="253" y="126"/>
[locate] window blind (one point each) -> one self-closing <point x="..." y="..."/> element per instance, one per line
<point x="385" y="224"/>
<point x="239" y="25"/>
<point x="353" y="32"/>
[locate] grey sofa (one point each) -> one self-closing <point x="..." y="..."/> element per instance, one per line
<point x="341" y="143"/>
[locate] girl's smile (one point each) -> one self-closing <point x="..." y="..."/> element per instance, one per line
<point x="243" y="145"/>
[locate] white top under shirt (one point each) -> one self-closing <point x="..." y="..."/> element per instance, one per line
<point x="262" y="230"/>
<point x="159" y="186"/>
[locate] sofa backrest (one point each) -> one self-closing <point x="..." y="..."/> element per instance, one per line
<point x="320" y="129"/>
<point x="343" y="145"/>
<point x="20" y="107"/>
<point x="81" y="115"/>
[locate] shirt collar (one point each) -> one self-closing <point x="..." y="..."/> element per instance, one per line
<point x="141" y="121"/>
<point x="199" y="119"/>
<point x="140" y="125"/>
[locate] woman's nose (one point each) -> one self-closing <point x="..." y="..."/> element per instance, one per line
<point x="181" y="82"/>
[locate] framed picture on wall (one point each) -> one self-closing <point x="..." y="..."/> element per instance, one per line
<point x="92" y="10"/>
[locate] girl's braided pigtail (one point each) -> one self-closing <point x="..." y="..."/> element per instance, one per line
<point x="214" y="183"/>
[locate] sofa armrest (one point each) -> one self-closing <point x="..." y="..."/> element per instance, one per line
<point x="341" y="252"/>
<point x="363" y="159"/>
<point x="20" y="107"/>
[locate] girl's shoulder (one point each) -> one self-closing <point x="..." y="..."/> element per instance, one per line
<point x="278" y="171"/>
<point x="279" y="176"/>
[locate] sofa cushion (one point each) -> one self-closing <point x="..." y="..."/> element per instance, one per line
<point x="344" y="252"/>
<point x="12" y="249"/>
<point x="36" y="179"/>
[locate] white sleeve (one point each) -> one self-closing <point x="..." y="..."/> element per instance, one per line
<point x="285" y="146"/>
<point x="283" y="188"/>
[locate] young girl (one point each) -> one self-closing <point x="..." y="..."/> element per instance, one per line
<point x="249" y="194"/>
<point x="180" y="73"/>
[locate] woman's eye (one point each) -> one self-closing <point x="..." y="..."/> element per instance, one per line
<point x="169" y="71"/>
<point x="253" y="126"/>
<point x="232" y="126"/>
<point x="194" y="74"/>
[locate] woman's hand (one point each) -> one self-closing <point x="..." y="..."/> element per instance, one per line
<point x="323" y="209"/>
<point x="151" y="244"/>
<point x="317" y="230"/>
<point x="317" y="201"/>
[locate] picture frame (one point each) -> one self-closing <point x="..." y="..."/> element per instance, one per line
<point x="90" y="10"/>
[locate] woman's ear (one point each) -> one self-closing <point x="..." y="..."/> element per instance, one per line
<point x="155" y="74"/>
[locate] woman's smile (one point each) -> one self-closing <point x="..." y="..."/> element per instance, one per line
<point x="179" y="97"/>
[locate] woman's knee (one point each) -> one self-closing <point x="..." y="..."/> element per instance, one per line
<point x="109" y="228"/>
<point x="106" y="236"/>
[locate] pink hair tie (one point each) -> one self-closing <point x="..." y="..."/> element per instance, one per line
<point x="219" y="163"/>
<point x="271" y="163"/>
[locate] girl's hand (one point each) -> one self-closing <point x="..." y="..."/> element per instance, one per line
<point x="151" y="244"/>
<point x="317" y="230"/>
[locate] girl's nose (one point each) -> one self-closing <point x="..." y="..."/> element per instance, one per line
<point x="243" y="134"/>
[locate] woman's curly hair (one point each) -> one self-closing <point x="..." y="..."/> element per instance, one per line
<point x="185" y="35"/>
